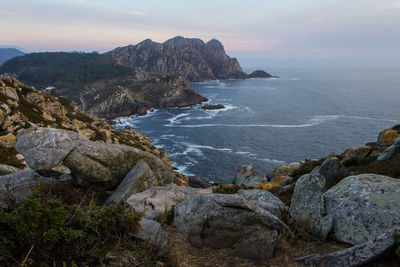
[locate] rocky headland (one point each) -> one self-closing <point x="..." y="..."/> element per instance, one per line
<point x="132" y="79"/>
<point x="341" y="210"/>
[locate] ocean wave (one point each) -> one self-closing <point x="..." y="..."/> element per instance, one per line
<point x="197" y="149"/>
<point x="175" y="118"/>
<point x="316" y="120"/>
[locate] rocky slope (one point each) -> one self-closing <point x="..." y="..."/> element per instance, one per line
<point x="190" y="58"/>
<point x="23" y="107"/>
<point x="133" y="96"/>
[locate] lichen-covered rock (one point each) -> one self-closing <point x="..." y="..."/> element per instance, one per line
<point x="98" y="165"/>
<point x="387" y="136"/>
<point x="222" y="220"/>
<point x="138" y="179"/>
<point x="7" y="141"/>
<point x="247" y="176"/>
<point x="389" y="152"/>
<point x="103" y="166"/>
<point x="159" y="199"/>
<point x="264" y="199"/>
<point x="332" y="170"/>
<point x="356" y="255"/>
<point x="45" y="148"/>
<point x="20" y="183"/>
<point x="286" y="170"/>
<point x="357" y="153"/>
<point x="152" y="232"/>
<point x="363" y="207"/>
<point x="308" y="206"/>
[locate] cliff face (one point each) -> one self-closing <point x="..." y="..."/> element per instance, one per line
<point x="136" y="97"/>
<point x="190" y="58"/>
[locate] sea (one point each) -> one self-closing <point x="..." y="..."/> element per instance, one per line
<point x="306" y="113"/>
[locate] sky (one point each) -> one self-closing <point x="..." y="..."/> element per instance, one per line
<point x="248" y="29"/>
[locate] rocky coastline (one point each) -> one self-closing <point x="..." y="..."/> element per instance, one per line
<point x="341" y="210"/>
<point x="133" y="79"/>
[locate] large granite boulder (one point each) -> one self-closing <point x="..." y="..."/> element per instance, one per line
<point x="363" y="207"/>
<point x="138" y="179"/>
<point x="389" y="152"/>
<point x="152" y="232"/>
<point x="20" y="183"/>
<point x="247" y="176"/>
<point x="98" y="165"/>
<point x="265" y="200"/>
<point x="45" y="148"/>
<point x="356" y="255"/>
<point x="333" y="170"/>
<point x="226" y="221"/>
<point x="308" y="206"/>
<point x="159" y="199"/>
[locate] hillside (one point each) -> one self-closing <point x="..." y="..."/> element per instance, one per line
<point x="23" y="107"/>
<point x="97" y="82"/>
<point x="9" y="53"/>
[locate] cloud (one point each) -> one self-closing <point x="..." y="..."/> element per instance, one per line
<point x="136" y="13"/>
<point x="391" y="6"/>
<point x="317" y="18"/>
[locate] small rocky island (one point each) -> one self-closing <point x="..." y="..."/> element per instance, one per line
<point x="212" y="107"/>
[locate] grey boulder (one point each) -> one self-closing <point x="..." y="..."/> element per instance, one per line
<point x="152" y="232"/>
<point x="333" y="170"/>
<point x="264" y="199"/>
<point x="97" y="165"/>
<point x="138" y="179"/>
<point x="159" y="199"/>
<point x="247" y="176"/>
<point x="389" y="152"/>
<point x="307" y="205"/>
<point x="363" y="207"/>
<point x="20" y="183"/>
<point x="226" y="221"/>
<point x="45" y="148"/>
<point x="356" y="255"/>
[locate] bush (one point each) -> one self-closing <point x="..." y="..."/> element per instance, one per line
<point x="43" y="232"/>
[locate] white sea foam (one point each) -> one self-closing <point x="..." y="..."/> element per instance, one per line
<point x="197" y="149"/>
<point x="273" y="161"/>
<point x="175" y="119"/>
<point x="316" y="120"/>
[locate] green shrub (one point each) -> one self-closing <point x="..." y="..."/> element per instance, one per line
<point x="49" y="231"/>
<point x="167" y="217"/>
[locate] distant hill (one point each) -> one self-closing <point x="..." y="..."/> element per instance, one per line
<point x="63" y="69"/>
<point x="9" y="53"/>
